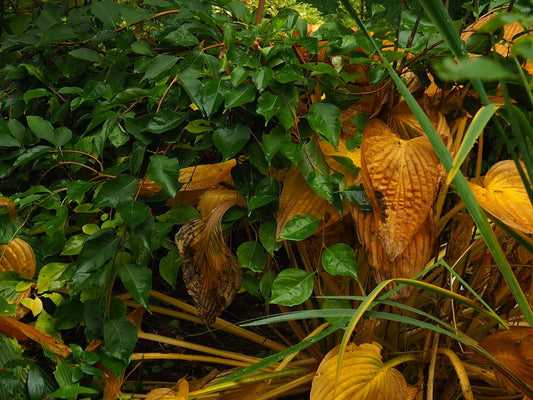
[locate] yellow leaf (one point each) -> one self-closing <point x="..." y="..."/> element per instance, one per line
<point x="181" y="392"/>
<point x="362" y="376"/>
<point x="17" y="256"/>
<point x="205" y="176"/>
<point x="400" y="178"/>
<point x="504" y="196"/>
<point x="212" y="198"/>
<point x="342" y="151"/>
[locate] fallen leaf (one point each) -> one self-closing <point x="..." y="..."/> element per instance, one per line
<point x="22" y="332"/>
<point x="400" y="178"/>
<point x="514" y="349"/>
<point x="211" y="272"/>
<point x="504" y="196"/>
<point x="362" y="376"/>
<point x="412" y="260"/>
<point x="17" y="256"/>
<point x="298" y="198"/>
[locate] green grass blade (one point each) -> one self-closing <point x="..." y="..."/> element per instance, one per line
<point x="475" y="129"/>
<point x="460" y="183"/>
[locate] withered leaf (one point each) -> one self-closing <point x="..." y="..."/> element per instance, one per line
<point x="400" y="178"/>
<point x="211" y="272"/>
<point x="504" y="196"/>
<point x="181" y="392"/>
<point x="362" y="376"/>
<point x="17" y="256"/>
<point x="410" y="261"/>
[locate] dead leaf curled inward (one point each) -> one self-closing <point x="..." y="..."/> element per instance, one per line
<point x="514" y="349"/>
<point x="409" y="262"/>
<point x="212" y="198"/>
<point x="362" y="376"/>
<point x="17" y="256"/>
<point x="211" y="272"/>
<point x="504" y="196"/>
<point x="298" y="198"/>
<point x="181" y="392"/>
<point x="400" y="178"/>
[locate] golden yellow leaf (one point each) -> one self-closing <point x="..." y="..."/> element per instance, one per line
<point x="298" y="198"/>
<point x="410" y="261"/>
<point x="504" y="196"/>
<point x="212" y="198"/>
<point x="211" y="272"/>
<point x="362" y="376"/>
<point x="400" y="178"/>
<point x="514" y="349"/>
<point x="17" y="256"/>
<point x="354" y="156"/>
<point x="181" y="392"/>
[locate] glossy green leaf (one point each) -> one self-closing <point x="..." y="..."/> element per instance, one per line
<point x="165" y="172"/>
<point x="35" y="94"/>
<point x="49" y="278"/>
<point x="169" y="266"/>
<point x="269" y="105"/>
<point x="267" y="236"/>
<point x="86" y="54"/>
<point x="481" y="67"/>
<point x="116" y="190"/>
<point x="339" y="259"/>
<point x="292" y="287"/>
<point x="142" y="47"/>
<point x="72" y="391"/>
<point x="133" y="212"/>
<point x="120" y="337"/>
<point x="325" y="120"/>
<point x="229" y="140"/>
<point x="97" y="250"/>
<point x="158" y="66"/>
<point x="273" y="142"/>
<point x="262" y="77"/>
<point x="138" y="281"/>
<point x="31" y="154"/>
<point x="300" y="227"/>
<point x="251" y="255"/>
<point x="241" y="95"/>
<point x="290" y="73"/>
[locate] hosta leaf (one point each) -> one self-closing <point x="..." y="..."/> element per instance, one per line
<point x="206" y="175"/>
<point x="292" y="287"/>
<point x="362" y="376"/>
<point x="505" y="196"/>
<point x="400" y="178"/>
<point x="17" y="256"/>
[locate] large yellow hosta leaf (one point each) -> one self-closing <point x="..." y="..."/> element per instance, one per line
<point x="17" y="256"/>
<point x="400" y="178"/>
<point x="362" y="376"/>
<point x="505" y="196"/>
<point x="410" y="261"/>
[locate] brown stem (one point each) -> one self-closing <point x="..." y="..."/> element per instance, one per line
<point x="260" y="11"/>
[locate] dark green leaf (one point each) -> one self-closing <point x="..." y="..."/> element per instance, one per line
<point x="99" y="248"/>
<point x="267" y="235"/>
<point x="169" y="266"/>
<point x="158" y="66"/>
<point x="86" y="54"/>
<point x="238" y="75"/>
<point x="165" y="172"/>
<point x="273" y="142"/>
<point x="164" y="121"/>
<point x="142" y="47"/>
<point x="35" y="94"/>
<point x="229" y="140"/>
<point x="239" y="96"/>
<point x="292" y="287"/>
<point x="300" y="227"/>
<point x="251" y="255"/>
<point x="120" y="337"/>
<point x="262" y="78"/>
<point x="339" y="259"/>
<point x="76" y="189"/>
<point x="116" y="190"/>
<point x="138" y="281"/>
<point x="325" y="120"/>
<point x="290" y="73"/>
<point x="71" y="391"/>
<point x="133" y="212"/>
<point x="479" y="67"/>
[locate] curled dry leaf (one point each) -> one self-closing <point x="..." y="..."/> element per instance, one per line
<point x="298" y="198"/>
<point x="8" y="203"/>
<point x="504" y="196"/>
<point x="400" y="178"/>
<point x="17" y="256"/>
<point x="211" y="272"/>
<point x="514" y="349"/>
<point x="410" y="261"/>
<point x="181" y="392"/>
<point x="212" y="198"/>
<point x="362" y="376"/>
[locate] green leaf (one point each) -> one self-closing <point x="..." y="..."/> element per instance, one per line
<point x="267" y="236"/>
<point x="479" y="67"/>
<point x="325" y="120"/>
<point x="165" y="172"/>
<point x="41" y="128"/>
<point x="290" y="73"/>
<point x="356" y="195"/>
<point x="49" y="278"/>
<point x="142" y="47"/>
<point x="292" y="287"/>
<point x="35" y="94"/>
<point x="238" y="75"/>
<point x="133" y="212"/>
<point x="86" y="54"/>
<point x="273" y="142"/>
<point x="229" y="140"/>
<point x="339" y="259"/>
<point x="120" y="337"/>
<point x="169" y="267"/>
<point x="116" y="190"/>
<point x="262" y="77"/>
<point x="138" y="281"/>
<point x="31" y="154"/>
<point x="251" y="255"/>
<point x="158" y="65"/>
<point x="300" y="227"/>
<point x="72" y="391"/>
<point x="239" y="96"/>
<point x="269" y="104"/>
<point x="164" y="121"/>
<point x="76" y="189"/>
<point x="73" y="245"/>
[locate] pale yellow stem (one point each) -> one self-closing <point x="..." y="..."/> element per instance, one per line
<point x="460" y="371"/>
<point x="286" y="387"/>
<point x="187" y="357"/>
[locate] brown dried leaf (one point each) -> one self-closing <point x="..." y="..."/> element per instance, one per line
<point x="400" y="178"/>
<point x="410" y="261"/>
<point x="17" y="256"/>
<point x="504" y="196"/>
<point x="514" y="349"/>
<point x="13" y="328"/>
<point x="298" y="198"/>
<point x="181" y="392"/>
<point x="362" y="376"/>
<point x="212" y="198"/>
<point x="211" y="272"/>
<point x="207" y="175"/>
<point x="7" y="202"/>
